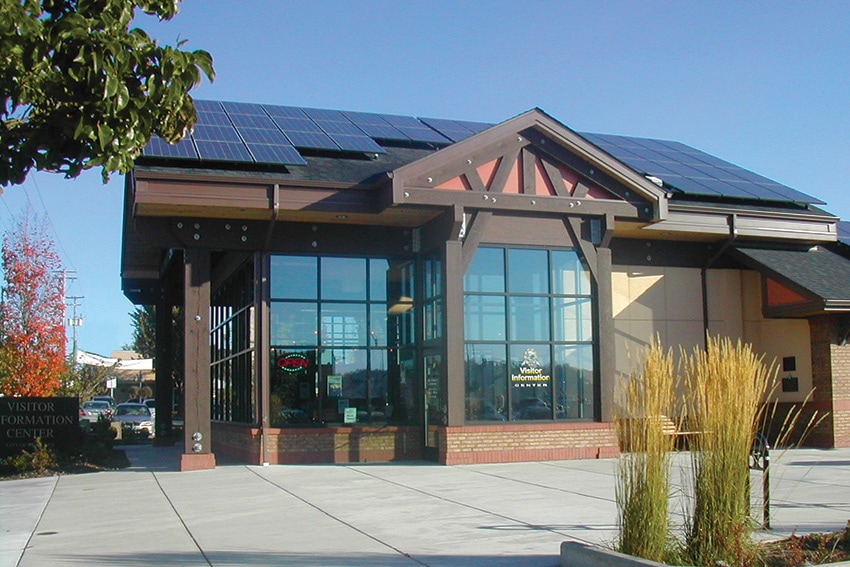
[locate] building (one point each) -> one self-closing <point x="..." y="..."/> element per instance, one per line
<point x="373" y="287"/>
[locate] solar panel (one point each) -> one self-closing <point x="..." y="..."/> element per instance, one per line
<point x="252" y="121"/>
<point x="224" y="151"/>
<point x="276" y="153"/>
<point x="208" y="106"/>
<point x="695" y="172"/>
<point x="289" y="111"/>
<point x="159" y="147"/>
<point x="342" y="131"/>
<point x="844" y="232"/>
<point x="243" y="108"/>
<point x="216" y="133"/>
<point x="451" y="129"/>
<point x="375" y="126"/>
<point x="414" y="129"/>
<point x="303" y="132"/>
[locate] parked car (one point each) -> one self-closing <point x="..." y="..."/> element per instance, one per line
<point x="92" y="410"/>
<point x="108" y="399"/>
<point x="151" y="404"/>
<point x="134" y="417"/>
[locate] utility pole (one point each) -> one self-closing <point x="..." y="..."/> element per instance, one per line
<point x="74" y="321"/>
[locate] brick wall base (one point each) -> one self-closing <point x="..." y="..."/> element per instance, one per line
<point x="526" y="442"/>
<point x="455" y="445"/>
<point x="197" y="461"/>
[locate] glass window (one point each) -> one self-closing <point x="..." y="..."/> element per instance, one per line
<point x="529" y="318"/>
<point x="486" y="273"/>
<point x="535" y="323"/>
<point x="344" y="383"/>
<point x="573" y="319"/>
<point x="293" y="395"/>
<point x="486" y="382"/>
<point x="574" y="380"/>
<point x="344" y="279"/>
<point x="569" y="276"/>
<point x="484" y="317"/>
<point x="528" y="271"/>
<point x="293" y="323"/>
<point x="378" y="324"/>
<point x="531" y="382"/>
<point x="378" y="272"/>
<point x="293" y="277"/>
<point x="344" y="324"/>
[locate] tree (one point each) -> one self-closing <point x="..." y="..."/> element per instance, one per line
<point x="32" y="313"/>
<point x="144" y="331"/>
<point x="84" y="381"/>
<point x="81" y="90"/>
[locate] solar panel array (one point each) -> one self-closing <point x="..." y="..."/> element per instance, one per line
<point x="263" y="133"/>
<point x="844" y="232"/>
<point x="692" y="172"/>
<point x="273" y="134"/>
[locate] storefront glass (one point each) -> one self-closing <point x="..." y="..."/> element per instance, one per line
<point x="529" y="344"/>
<point x="335" y="341"/>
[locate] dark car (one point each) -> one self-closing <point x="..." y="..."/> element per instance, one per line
<point x="134" y="417"/>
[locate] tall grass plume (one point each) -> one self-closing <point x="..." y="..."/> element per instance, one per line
<point x="726" y="384"/>
<point x="643" y="472"/>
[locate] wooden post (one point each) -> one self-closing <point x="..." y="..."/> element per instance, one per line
<point x="164" y="375"/>
<point x="197" y="432"/>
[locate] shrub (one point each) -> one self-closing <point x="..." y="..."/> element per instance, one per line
<point x="39" y="460"/>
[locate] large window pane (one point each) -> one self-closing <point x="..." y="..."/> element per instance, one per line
<point x="379" y="407"/>
<point x="294" y="277"/>
<point x="344" y="383"/>
<point x="378" y="325"/>
<point x="486" y="273"/>
<point x="484" y="318"/>
<point x="344" y="324"/>
<point x="569" y="276"/>
<point x="293" y="399"/>
<point x="378" y="272"/>
<point x="573" y="319"/>
<point x="529" y="318"/>
<point x="531" y="382"/>
<point x="574" y="379"/>
<point x="528" y="271"/>
<point x="293" y="323"/>
<point x="486" y="383"/>
<point x="344" y="279"/>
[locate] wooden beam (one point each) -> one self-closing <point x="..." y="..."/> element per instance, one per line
<point x="555" y="178"/>
<point x="197" y="436"/>
<point x="518" y="203"/>
<point x="474" y="234"/>
<point x="503" y="171"/>
<point x="528" y="166"/>
<point x="574" y="226"/>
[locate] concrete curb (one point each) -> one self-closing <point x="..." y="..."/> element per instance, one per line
<point x="575" y="554"/>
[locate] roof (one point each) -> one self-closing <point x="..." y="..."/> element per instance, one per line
<point x="816" y="272"/>
<point x="345" y="146"/>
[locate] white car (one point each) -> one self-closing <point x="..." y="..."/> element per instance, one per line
<point x="134" y="417"/>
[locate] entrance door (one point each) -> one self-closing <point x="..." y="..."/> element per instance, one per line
<point x="434" y="413"/>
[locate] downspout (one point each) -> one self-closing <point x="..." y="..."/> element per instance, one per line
<point x="733" y="235"/>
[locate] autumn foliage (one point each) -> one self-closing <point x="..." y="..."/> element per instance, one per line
<point x="32" y="314"/>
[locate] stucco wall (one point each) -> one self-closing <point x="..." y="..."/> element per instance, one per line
<point x="667" y="301"/>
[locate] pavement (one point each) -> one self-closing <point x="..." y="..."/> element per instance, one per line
<point x="376" y="514"/>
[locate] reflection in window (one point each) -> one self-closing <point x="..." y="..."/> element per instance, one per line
<point x="336" y="341"/>
<point x="543" y="321"/>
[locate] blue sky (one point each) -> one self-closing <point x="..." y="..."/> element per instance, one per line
<point x="765" y="85"/>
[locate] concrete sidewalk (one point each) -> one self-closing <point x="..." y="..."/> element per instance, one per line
<point x="385" y="515"/>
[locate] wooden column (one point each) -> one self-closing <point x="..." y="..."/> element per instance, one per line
<point x="607" y="350"/>
<point x="197" y="433"/>
<point x="454" y="363"/>
<point x="164" y="374"/>
<point x="262" y="365"/>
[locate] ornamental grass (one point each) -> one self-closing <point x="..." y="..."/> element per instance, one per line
<point x="643" y="472"/>
<point x="726" y="384"/>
